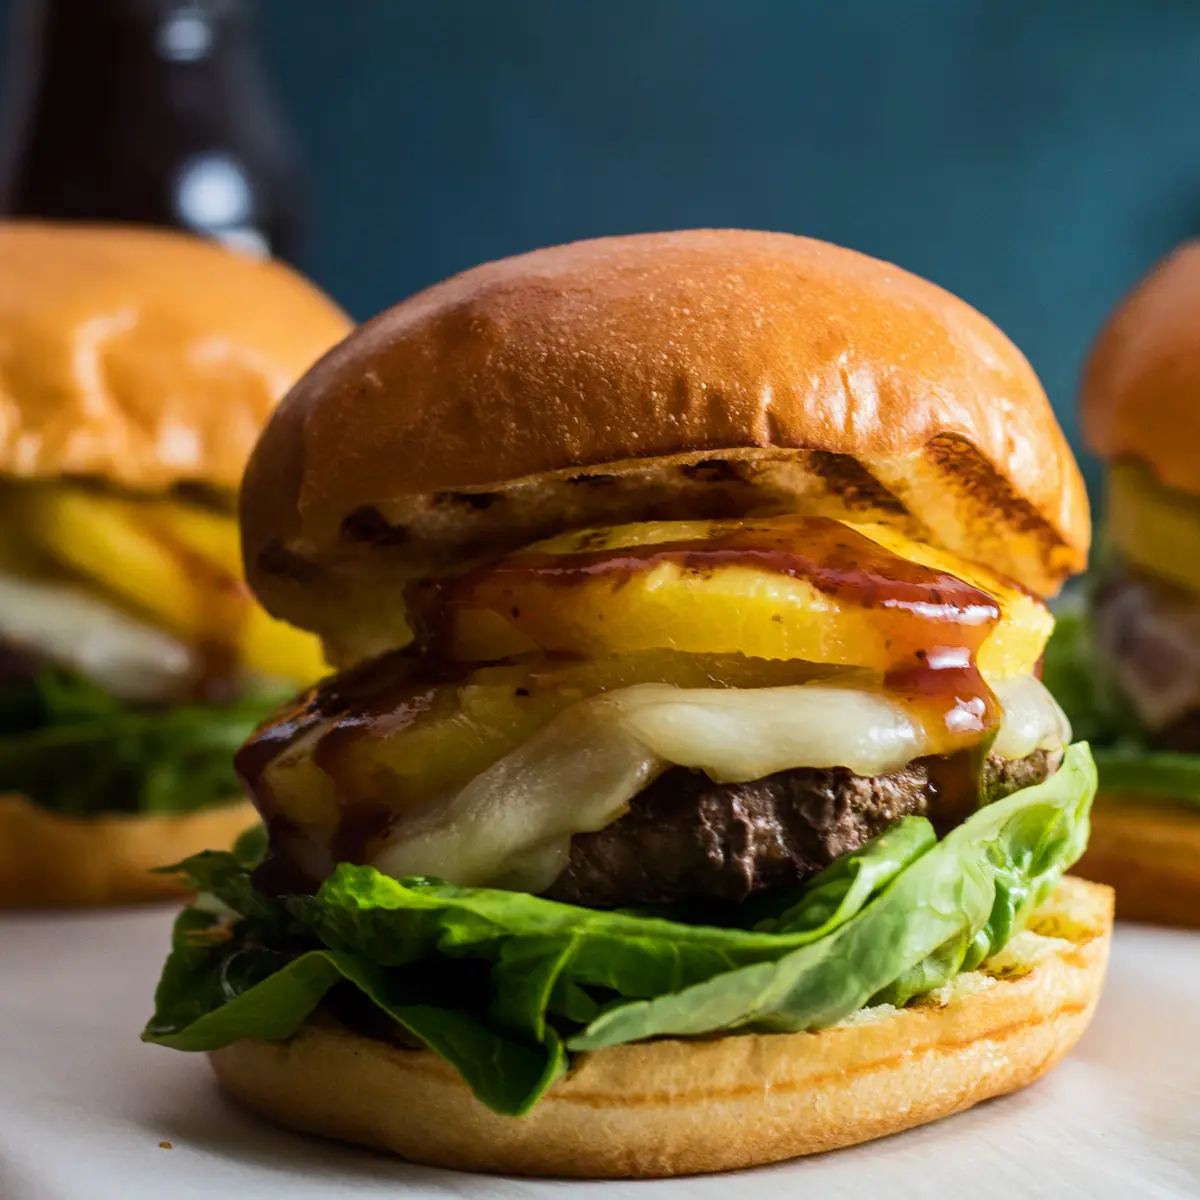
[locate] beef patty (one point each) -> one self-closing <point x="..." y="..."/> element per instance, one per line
<point x="1147" y="634"/>
<point x="686" y="838"/>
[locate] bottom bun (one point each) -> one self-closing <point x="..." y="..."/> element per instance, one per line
<point x="52" y="861"/>
<point x="1149" y="851"/>
<point x="683" y="1107"/>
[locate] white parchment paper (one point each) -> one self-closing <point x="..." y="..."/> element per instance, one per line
<point x="84" y="1105"/>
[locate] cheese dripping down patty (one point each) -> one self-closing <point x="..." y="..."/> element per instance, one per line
<point x="510" y="828"/>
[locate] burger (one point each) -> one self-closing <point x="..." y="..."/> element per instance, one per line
<point x="1126" y="662"/>
<point x="686" y="797"/>
<point x="136" y="370"/>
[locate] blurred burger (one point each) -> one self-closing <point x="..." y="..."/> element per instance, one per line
<point x="1129" y="668"/>
<point x="716" y="813"/>
<point x="136" y="370"/>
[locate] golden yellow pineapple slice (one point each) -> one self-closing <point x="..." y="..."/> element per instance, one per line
<point x="279" y="651"/>
<point x="176" y="563"/>
<point x="266" y="646"/>
<point x="101" y="537"/>
<point x="812" y="589"/>
<point x="1153" y="525"/>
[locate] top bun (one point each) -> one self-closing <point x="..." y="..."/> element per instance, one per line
<point x="143" y="357"/>
<point x="709" y="372"/>
<point x="1140" y="393"/>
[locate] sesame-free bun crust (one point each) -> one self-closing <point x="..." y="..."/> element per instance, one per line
<point x="709" y="372"/>
<point x="144" y="357"/>
<point x="681" y="1107"/>
<point x="53" y="861"/>
<point x="1140" y="390"/>
<point x="1149" y="851"/>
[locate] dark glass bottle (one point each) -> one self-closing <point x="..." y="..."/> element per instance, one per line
<point x="152" y="111"/>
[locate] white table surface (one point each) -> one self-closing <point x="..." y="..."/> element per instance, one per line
<point x="84" y="1105"/>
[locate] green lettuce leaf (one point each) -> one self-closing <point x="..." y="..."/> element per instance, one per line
<point x="503" y="984"/>
<point x="1155" y="774"/>
<point x="74" y="749"/>
<point x="948" y="911"/>
<point x="223" y="982"/>
<point x="356" y="910"/>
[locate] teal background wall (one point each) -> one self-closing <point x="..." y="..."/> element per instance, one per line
<point x="1032" y="157"/>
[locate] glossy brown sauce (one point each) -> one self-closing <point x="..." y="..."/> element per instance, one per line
<point x="266" y="744"/>
<point x="365" y="814"/>
<point x="378" y="698"/>
<point x="956" y="784"/>
<point x="381" y="691"/>
<point x="934" y="622"/>
<point x="945" y="689"/>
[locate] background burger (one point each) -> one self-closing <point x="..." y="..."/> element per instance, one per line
<point x="716" y="813"/>
<point x="1128" y="669"/>
<point x="136" y="370"/>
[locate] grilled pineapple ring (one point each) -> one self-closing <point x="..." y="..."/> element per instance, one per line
<point x="177" y="564"/>
<point x="1154" y="526"/>
<point x="728" y="608"/>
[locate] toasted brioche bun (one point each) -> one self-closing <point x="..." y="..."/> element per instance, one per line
<point x="51" y="861"/>
<point x="1138" y="401"/>
<point x="1149" y="851"/>
<point x="704" y="373"/>
<point x="1140" y="383"/>
<point x="681" y="1107"/>
<point x="143" y="357"/>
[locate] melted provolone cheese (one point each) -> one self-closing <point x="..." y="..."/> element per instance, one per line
<point x="1032" y="719"/>
<point x="71" y="628"/>
<point x="511" y="826"/>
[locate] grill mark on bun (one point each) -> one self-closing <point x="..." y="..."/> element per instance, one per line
<point x="852" y="483"/>
<point x="711" y="470"/>
<point x="478" y="501"/>
<point x="963" y="463"/>
<point x="593" y="480"/>
<point x="369" y="526"/>
<point x="424" y="1063"/>
<point x="808" y="1082"/>
<point x="275" y="559"/>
